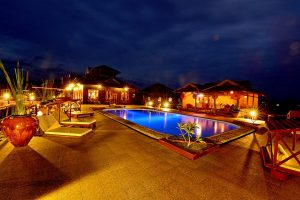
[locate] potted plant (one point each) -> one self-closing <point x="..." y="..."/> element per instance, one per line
<point x="189" y="144"/>
<point x="18" y="128"/>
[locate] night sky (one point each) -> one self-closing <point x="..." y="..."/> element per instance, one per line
<point x="172" y="42"/>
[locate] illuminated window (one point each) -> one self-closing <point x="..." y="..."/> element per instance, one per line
<point x="93" y="94"/>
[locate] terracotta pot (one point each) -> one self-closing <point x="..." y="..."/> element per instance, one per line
<point x="19" y="129"/>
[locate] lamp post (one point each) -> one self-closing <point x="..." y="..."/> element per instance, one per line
<point x="31" y="98"/>
<point x="253" y="115"/>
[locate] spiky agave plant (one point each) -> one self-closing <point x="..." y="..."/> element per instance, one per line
<point x="17" y="86"/>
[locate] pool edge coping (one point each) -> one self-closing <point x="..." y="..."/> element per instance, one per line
<point x="246" y="130"/>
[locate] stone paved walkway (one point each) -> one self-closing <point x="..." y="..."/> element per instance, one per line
<point x="119" y="163"/>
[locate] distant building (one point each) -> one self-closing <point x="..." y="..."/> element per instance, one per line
<point x="238" y="94"/>
<point x="158" y="94"/>
<point x="100" y="85"/>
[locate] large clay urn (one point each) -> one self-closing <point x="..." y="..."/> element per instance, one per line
<point x="19" y="129"/>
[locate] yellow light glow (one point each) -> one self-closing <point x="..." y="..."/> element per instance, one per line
<point x="166" y="109"/>
<point x="231" y="92"/>
<point x="166" y="104"/>
<point x="126" y="88"/>
<point x="150" y="103"/>
<point x="39" y="113"/>
<point x="245" y="97"/>
<point x="80" y="86"/>
<point x="70" y="86"/>
<point x="253" y="113"/>
<point x="200" y="95"/>
<point x="31" y="97"/>
<point x="6" y="96"/>
<point x="99" y="86"/>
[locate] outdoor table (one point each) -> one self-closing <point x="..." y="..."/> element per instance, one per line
<point x="278" y="130"/>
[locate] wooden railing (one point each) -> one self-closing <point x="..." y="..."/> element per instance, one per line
<point x="281" y="151"/>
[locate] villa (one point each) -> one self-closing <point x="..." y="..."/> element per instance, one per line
<point x="219" y="95"/>
<point x="100" y="85"/>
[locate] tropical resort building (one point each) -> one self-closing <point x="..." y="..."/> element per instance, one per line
<point x="159" y="95"/>
<point x="100" y="85"/>
<point x="227" y="94"/>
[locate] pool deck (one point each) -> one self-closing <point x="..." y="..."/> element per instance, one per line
<point x="116" y="162"/>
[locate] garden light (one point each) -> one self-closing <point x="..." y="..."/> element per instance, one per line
<point x="6" y="97"/>
<point x="166" y="104"/>
<point x="253" y="113"/>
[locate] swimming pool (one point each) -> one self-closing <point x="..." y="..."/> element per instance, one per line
<point x="165" y="122"/>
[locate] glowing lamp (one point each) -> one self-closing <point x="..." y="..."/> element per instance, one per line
<point x="200" y="95"/>
<point x="39" y="113"/>
<point x="231" y="92"/>
<point x="253" y="113"/>
<point x="31" y="97"/>
<point x="6" y="96"/>
<point x="99" y="86"/>
<point x="126" y="89"/>
<point x="150" y="103"/>
<point x="166" y="104"/>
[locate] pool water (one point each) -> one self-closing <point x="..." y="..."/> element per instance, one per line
<point x="165" y="122"/>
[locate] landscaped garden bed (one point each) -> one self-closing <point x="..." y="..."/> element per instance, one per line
<point x="194" y="151"/>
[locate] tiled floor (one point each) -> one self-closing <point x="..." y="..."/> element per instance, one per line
<point x="119" y="163"/>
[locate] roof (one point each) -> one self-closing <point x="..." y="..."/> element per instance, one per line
<point x="101" y="70"/>
<point x="104" y="81"/>
<point x="226" y="85"/>
<point x="222" y="86"/>
<point x="158" y="88"/>
<point x="103" y="75"/>
<point x="190" y="87"/>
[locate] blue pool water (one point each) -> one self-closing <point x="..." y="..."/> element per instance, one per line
<point x="165" y="122"/>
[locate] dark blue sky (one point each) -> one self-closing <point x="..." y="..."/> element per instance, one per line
<point x="173" y="42"/>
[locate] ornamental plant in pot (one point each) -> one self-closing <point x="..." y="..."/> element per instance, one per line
<point x="18" y="128"/>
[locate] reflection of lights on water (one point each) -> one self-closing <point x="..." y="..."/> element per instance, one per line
<point x="215" y="127"/>
<point x="165" y="120"/>
<point x="222" y="126"/>
<point x="198" y="131"/>
<point x="124" y="116"/>
<point x="149" y="117"/>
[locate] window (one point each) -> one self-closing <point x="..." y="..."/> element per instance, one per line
<point x="93" y="95"/>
